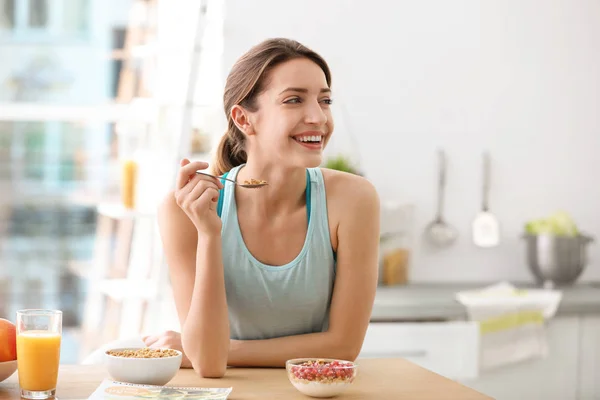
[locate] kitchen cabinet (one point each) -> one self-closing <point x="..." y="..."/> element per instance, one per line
<point x="447" y="348"/>
<point x="554" y="377"/>
<point x="589" y="365"/>
<point x="451" y="349"/>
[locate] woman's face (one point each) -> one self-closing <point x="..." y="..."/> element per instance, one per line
<point x="293" y="122"/>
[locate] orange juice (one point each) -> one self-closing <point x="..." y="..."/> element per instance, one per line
<point x="38" y="357"/>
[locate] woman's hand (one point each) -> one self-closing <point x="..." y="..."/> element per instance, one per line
<point x="197" y="196"/>
<point x="168" y="340"/>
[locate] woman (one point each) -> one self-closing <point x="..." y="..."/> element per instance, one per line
<point x="288" y="270"/>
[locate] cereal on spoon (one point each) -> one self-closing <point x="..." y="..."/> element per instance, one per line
<point x="254" y="182"/>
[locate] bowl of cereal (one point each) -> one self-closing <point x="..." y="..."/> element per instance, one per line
<point x="321" y="377"/>
<point x="143" y="365"/>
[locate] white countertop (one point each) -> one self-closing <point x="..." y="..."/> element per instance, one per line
<point x="422" y="302"/>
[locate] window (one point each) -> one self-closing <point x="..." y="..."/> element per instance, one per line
<point x="37" y="14"/>
<point x="63" y="94"/>
<point x="75" y="17"/>
<point x="72" y="153"/>
<point x="43" y="20"/>
<point x="52" y="156"/>
<point x="33" y="149"/>
<point x="5" y="150"/>
<point x="7" y="14"/>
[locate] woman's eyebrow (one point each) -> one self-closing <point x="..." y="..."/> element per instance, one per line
<point x="304" y="90"/>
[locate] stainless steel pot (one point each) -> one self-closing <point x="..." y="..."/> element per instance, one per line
<point x="557" y="260"/>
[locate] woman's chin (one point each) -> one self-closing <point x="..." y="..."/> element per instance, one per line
<point x="303" y="161"/>
<point x="313" y="161"/>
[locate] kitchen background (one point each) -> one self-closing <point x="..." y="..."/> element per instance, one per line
<point x="519" y="79"/>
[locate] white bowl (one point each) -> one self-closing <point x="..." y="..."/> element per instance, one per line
<point x="143" y="371"/>
<point x="7" y="368"/>
<point x="327" y="380"/>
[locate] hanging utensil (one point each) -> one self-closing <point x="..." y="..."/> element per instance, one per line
<point x="486" y="229"/>
<point x="438" y="232"/>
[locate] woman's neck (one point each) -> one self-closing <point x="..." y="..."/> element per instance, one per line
<point x="284" y="193"/>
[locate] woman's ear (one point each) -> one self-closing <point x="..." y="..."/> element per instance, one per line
<point x="241" y="119"/>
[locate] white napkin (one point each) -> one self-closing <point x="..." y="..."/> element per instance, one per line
<point x="512" y="321"/>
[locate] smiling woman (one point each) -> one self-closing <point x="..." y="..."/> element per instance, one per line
<point x="281" y="272"/>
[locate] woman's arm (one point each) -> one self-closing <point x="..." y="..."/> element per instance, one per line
<point x="192" y="244"/>
<point x="353" y="296"/>
<point x="354" y="290"/>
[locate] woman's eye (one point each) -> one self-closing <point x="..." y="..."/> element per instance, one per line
<point x="327" y="101"/>
<point x="293" y="100"/>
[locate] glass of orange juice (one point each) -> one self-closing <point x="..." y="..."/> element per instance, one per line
<point x="38" y="352"/>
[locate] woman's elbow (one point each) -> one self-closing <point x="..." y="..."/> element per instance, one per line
<point x="209" y="367"/>
<point x="350" y="353"/>
<point x="348" y="350"/>
<point x="210" y="370"/>
<point x="206" y="363"/>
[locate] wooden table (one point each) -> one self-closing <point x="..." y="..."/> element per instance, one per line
<point x="393" y="379"/>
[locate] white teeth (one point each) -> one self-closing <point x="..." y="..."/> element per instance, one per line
<point x="310" y="139"/>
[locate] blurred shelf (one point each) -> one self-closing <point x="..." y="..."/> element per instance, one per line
<point x="121" y="289"/>
<point x="89" y="198"/>
<point x="81" y="269"/>
<point x="201" y="157"/>
<point x="105" y="113"/>
<point x="118" y="211"/>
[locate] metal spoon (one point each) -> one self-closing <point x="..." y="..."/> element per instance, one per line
<point x="438" y="232"/>
<point x="245" y="185"/>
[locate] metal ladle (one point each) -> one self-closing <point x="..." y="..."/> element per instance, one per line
<point x="438" y="232"/>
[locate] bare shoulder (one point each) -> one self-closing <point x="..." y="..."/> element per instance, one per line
<point x="353" y="209"/>
<point x="349" y="190"/>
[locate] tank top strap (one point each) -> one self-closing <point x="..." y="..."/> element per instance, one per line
<point x="221" y="195"/>
<point x="226" y="194"/>
<point x="318" y="200"/>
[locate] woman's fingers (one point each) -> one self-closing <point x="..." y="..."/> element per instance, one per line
<point x="200" y="188"/>
<point x="194" y="189"/>
<point x="159" y="344"/>
<point x="191" y="185"/>
<point x="208" y="199"/>
<point x="150" y="340"/>
<point x="188" y="171"/>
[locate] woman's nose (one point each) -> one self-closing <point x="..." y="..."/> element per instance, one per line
<point x="315" y="114"/>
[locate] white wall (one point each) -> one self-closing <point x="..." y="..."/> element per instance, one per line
<point x="520" y="78"/>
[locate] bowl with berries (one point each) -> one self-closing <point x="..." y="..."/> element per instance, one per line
<point x="321" y="377"/>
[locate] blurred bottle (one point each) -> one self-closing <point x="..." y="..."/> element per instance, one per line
<point x="395" y="267"/>
<point x="129" y="143"/>
<point x="129" y="171"/>
<point x="396" y="242"/>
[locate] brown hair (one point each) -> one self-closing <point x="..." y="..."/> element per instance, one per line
<point x="245" y="82"/>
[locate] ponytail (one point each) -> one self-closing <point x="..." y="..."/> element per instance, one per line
<point x="231" y="151"/>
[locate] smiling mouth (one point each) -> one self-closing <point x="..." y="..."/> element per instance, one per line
<point x="316" y="139"/>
